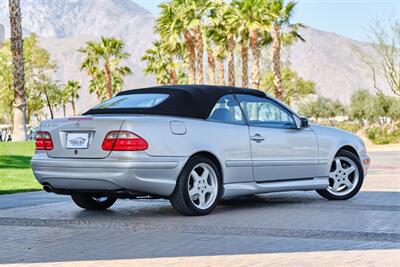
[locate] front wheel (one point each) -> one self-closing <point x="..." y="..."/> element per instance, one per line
<point x="345" y="177"/>
<point x="89" y="202"/>
<point x="198" y="188"/>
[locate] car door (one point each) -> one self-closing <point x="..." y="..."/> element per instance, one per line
<point x="280" y="151"/>
<point x="230" y="133"/>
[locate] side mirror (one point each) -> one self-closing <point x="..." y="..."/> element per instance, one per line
<point x="304" y="122"/>
<point x="301" y="122"/>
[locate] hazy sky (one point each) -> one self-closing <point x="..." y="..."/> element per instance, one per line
<point x="348" y="18"/>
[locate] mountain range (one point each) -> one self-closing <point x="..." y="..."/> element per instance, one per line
<point x="64" y="26"/>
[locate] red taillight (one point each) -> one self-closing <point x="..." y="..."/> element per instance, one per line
<point x="43" y="141"/>
<point x="124" y="141"/>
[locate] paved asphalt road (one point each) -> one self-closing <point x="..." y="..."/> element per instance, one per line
<point x="295" y="229"/>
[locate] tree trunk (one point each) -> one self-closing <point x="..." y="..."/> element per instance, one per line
<point x="19" y="103"/>
<point x="220" y="70"/>
<point x="199" y="56"/>
<point x="255" y="49"/>
<point x="191" y="55"/>
<point x="173" y="79"/>
<point x="63" y="107"/>
<point x="245" y="65"/>
<point x="73" y="108"/>
<point x="276" y="61"/>
<point x="108" y="82"/>
<point x="231" y="61"/>
<point x="48" y="103"/>
<point x="211" y="68"/>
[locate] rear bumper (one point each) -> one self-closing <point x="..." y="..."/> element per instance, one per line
<point x="141" y="173"/>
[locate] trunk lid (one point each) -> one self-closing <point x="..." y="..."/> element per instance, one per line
<point x="80" y="137"/>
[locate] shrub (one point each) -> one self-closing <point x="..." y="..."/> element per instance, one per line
<point x="386" y="134"/>
<point x="322" y="107"/>
<point x="348" y="126"/>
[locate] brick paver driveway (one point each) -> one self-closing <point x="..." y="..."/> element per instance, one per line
<point x="296" y="229"/>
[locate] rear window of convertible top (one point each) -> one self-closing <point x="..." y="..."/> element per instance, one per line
<point x="133" y="101"/>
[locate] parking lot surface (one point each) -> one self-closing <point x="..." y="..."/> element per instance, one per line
<point x="294" y="228"/>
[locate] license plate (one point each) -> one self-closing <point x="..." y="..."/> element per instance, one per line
<point x="77" y="140"/>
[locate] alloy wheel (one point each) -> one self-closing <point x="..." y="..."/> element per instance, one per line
<point x="343" y="176"/>
<point x="203" y="186"/>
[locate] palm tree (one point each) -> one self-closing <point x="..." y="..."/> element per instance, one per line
<point x="255" y="18"/>
<point x="280" y="17"/>
<point x="231" y="26"/>
<point x="104" y="58"/>
<point x="195" y="12"/>
<point x="170" y="25"/>
<point x="242" y="33"/>
<point x="160" y="62"/>
<point x="63" y="101"/>
<point x="212" y="78"/>
<point x="220" y="69"/>
<point x="221" y="34"/>
<point x="19" y="103"/>
<point x="183" y="21"/>
<point x="98" y="82"/>
<point x="71" y="88"/>
<point x="213" y="42"/>
<point x="217" y="35"/>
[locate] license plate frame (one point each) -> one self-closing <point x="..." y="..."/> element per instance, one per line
<point x="77" y="140"/>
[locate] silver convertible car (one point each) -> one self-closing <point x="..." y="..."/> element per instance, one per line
<point x="194" y="145"/>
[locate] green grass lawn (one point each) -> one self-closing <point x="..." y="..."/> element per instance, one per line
<point x="15" y="169"/>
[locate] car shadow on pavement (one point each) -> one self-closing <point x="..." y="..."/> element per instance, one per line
<point x="268" y="223"/>
<point x="132" y="209"/>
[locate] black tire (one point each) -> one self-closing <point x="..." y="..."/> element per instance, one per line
<point x="328" y="195"/>
<point x="180" y="198"/>
<point x="89" y="202"/>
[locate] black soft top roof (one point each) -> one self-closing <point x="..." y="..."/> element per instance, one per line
<point x="193" y="101"/>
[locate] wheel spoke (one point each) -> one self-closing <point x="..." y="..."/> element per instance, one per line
<point x="209" y="189"/>
<point x="348" y="183"/>
<point x="335" y="186"/>
<point x="350" y="170"/>
<point x="195" y="176"/>
<point x="209" y="183"/>
<point x="338" y="164"/>
<point x="193" y="191"/>
<point x="205" y="174"/>
<point x="202" y="199"/>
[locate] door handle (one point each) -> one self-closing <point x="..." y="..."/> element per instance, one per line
<point x="257" y="138"/>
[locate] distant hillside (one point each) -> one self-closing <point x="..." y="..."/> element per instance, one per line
<point x="64" y="26"/>
<point x="329" y="60"/>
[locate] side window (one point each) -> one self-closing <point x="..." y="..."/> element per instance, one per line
<point x="227" y="110"/>
<point x="261" y="111"/>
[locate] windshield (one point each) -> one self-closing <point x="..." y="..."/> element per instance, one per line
<point x="133" y="101"/>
